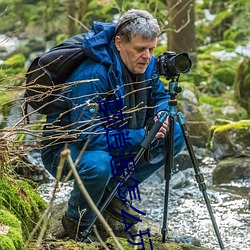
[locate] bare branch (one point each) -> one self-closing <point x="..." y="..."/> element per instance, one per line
<point x="66" y="154"/>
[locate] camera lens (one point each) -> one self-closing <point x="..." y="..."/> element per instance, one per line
<point x="171" y="64"/>
<point x="182" y="63"/>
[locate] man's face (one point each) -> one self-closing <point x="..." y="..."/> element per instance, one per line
<point x="137" y="53"/>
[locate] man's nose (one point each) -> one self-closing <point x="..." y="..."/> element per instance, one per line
<point x="146" y="54"/>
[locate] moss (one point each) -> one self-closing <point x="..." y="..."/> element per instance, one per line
<point x="229" y="45"/>
<point x="219" y="102"/>
<point x="21" y="199"/>
<point x="16" y="61"/>
<point x="16" y="237"/>
<point x="214" y="101"/>
<point x="9" y="219"/>
<point x="158" y="245"/>
<point x="13" y="239"/>
<point x="13" y="71"/>
<point x="220" y="131"/>
<point x="234" y="125"/>
<point x="6" y="96"/>
<point x="225" y="75"/>
<point x="6" y="243"/>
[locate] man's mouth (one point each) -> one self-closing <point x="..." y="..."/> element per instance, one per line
<point x="143" y="63"/>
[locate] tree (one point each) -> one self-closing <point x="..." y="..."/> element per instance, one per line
<point x="181" y="27"/>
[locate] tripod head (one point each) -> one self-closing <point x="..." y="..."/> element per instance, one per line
<point x="174" y="89"/>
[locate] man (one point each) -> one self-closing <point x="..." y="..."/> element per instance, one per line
<point x="122" y="73"/>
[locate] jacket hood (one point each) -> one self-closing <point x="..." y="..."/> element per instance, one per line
<point x="98" y="43"/>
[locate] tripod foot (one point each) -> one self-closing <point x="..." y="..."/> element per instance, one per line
<point x="164" y="232"/>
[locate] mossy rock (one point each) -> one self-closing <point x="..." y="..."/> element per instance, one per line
<point x="172" y="243"/>
<point x="232" y="139"/>
<point x="22" y="200"/>
<point x="11" y="237"/>
<point x="71" y="245"/>
<point x="157" y="245"/>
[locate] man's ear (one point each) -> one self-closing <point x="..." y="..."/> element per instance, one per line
<point x="118" y="43"/>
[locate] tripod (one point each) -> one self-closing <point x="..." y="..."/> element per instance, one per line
<point x="173" y="90"/>
<point x="144" y="146"/>
<point x="173" y="114"/>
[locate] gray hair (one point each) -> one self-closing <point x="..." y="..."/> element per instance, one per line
<point x="137" y="22"/>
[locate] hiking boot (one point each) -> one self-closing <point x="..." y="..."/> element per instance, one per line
<point x="74" y="231"/>
<point x="115" y="207"/>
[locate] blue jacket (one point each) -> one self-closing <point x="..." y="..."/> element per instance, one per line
<point x="83" y="120"/>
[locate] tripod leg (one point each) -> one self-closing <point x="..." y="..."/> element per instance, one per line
<point x="199" y="176"/>
<point x="168" y="172"/>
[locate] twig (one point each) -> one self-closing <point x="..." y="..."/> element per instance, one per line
<point x="99" y="238"/>
<point x="46" y="216"/>
<point x="66" y="154"/>
<point x="77" y="21"/>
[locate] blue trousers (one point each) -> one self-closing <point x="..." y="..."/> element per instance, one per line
<point x="95" y="171"/>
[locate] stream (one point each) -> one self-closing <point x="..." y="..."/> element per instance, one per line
<point x="187" y="212"/>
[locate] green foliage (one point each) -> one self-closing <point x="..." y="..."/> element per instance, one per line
<point x="13" y="239"/>
<point x="224" y="75"/>
<point x="229" y="23"/>
<point x="219" y="102"/>
<point x="12" y="67"/>
<point x="221" y="23"/>
<point x="17" y="61"/>
<point x="6" y="243"/>
<point x="216" y="67"/>
<point x="242" y="84"/>
<point x="214" y="101"/>
<point x="22" y="200"/>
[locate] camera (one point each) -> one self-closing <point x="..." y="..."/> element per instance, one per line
<point x="171" y="65"/>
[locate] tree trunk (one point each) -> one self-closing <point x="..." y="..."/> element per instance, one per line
<point x="71" y="6"/>
<point x="83" y="7"/>
<point x="181" y="27"/>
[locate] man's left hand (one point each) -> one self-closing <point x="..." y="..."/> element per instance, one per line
<point x="163" y="129"/>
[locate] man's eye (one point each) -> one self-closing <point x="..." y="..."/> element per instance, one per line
<point x="139" y="50"/>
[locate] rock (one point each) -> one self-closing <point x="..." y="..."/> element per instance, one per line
<point x="181" y="179"/>
<point x="232" y="139"/>
<point x="172" y="241"/>
<point x="189" y="96"/>
<point x="231" y="169"/>
<point x="197" y="125"/>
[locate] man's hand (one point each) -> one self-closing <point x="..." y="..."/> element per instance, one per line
<point x="164" y="128"/>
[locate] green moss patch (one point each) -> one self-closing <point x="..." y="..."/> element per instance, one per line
<point x="10" y="231"/>
<point x="22" y="200"/>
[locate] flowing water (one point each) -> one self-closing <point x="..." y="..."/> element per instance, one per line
<point x="188" y="214"/>
<point x="187" y="211"/>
